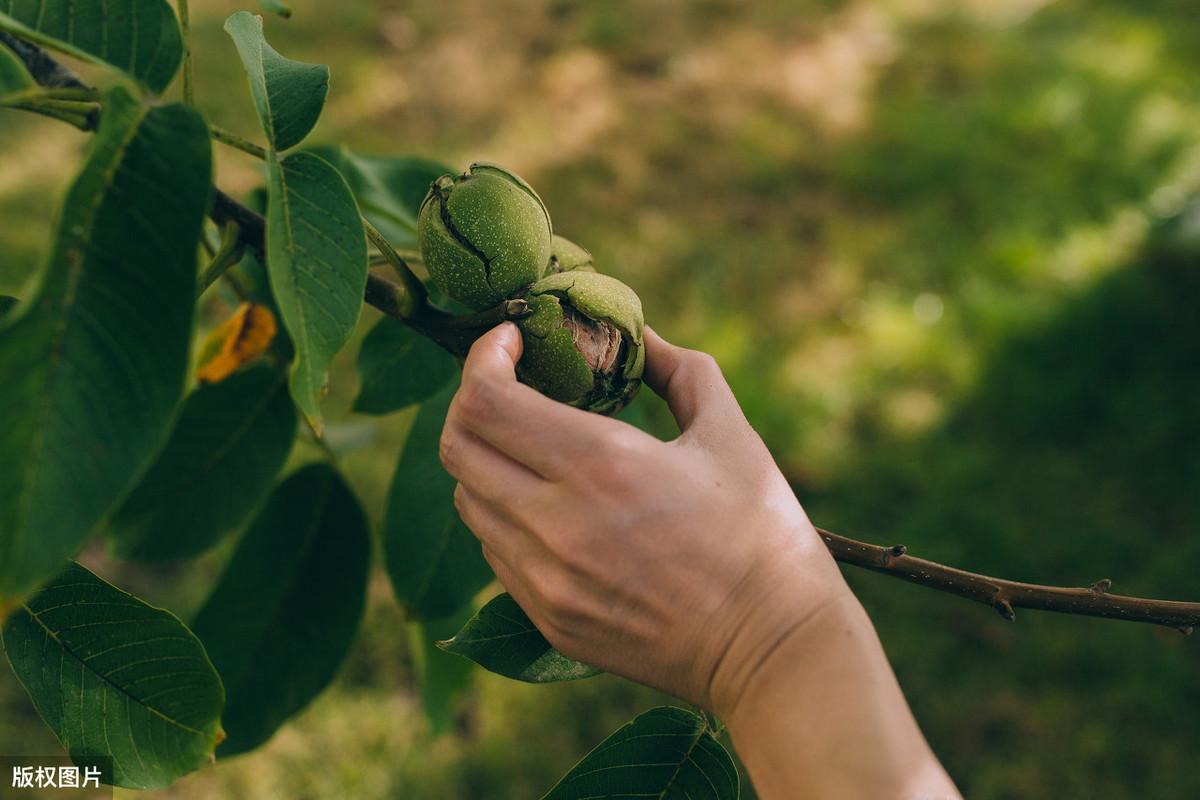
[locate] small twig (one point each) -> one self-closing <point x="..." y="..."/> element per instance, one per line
<point x="71" y="93"/>
<point x="1004" y="595"/>
<point x="238" y="142"/>
<point x="490" y="318"/>
<point x="84" y="108"/>
<point x="83" y="121"/>
<point x="411" y="282"/>
<point x="380" y="211"/>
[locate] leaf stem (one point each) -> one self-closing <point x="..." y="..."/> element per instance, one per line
<point x="84" y="122"/>
<point x="411" y="282"/>
<point x="399" y="219"/>
<point x="229" y="253"/>
<point x="238" y="142"/>
<point x="189" y="96"/>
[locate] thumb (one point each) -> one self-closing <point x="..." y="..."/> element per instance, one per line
<point x="692" y="384"/>
<point x="494" y="356"/>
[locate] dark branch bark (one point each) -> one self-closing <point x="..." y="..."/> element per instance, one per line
<point x="1004" y="595"/>
<point x="456" y="334"/>
<point x="44" y="69"/>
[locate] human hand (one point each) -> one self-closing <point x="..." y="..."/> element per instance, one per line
<point x="682" y="565"/>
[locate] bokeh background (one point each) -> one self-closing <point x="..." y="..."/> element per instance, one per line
<point x="946" y="255"/>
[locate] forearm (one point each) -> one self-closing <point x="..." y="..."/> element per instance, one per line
<point x="825" y="717"/>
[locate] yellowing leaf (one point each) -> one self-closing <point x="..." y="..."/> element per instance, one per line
<point x="236" y="342"/>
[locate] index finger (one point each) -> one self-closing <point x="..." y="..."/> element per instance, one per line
<point x="545" y="435"/>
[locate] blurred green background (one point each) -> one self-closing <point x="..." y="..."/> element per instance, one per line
<point x="944" y="253"/>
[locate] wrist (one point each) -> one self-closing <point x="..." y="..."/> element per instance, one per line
<point x="793" y="607"/>
<point x="820" y="714"/>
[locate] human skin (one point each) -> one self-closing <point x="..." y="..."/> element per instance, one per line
<point x="688" y="566"/>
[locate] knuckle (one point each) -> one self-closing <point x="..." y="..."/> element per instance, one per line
<point x="568" y="553"/>
<point x="703" y="366"/>
<point x="448" y="451"/>
<point x="557" y="594"/>
<point x="621" y="448"/>
<point x="618" y="470"/>
<point x="475" y="401"/>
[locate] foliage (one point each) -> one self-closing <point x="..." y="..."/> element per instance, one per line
<point x="94" y="374"/>
<point x="97" y="358"/>
<point x="115" y="677"/>
<point x="1001" y="165"/>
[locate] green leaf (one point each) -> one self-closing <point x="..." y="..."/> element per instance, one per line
<point x="389" y="189"/>
<point x="502" y="639"/>
<point x="398" y="367"/>
<point x="288" y="95"/>
<point x="284" y="613"/>
<point x="436" y="565"/>
<point x="7" y="304"/>
<point x="443" y="679"/>
<point x="317" y="262"/>
<point x="666" y="753"/>
<point x="113" y="676"/>
<point x="15" y="80"/>
<point x="276" y="7"/>
<point x="93" y="364"/>
<point x="138" y="37"/>
<point x="230" y="442"/>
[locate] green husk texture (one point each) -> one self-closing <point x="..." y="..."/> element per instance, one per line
<point x="552" y="362"/>
<point x="484" y="235"/>
<point x="566" y="256"/>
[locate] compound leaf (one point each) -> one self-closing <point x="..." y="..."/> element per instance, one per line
<point x="113" y="676"/>
<point x="502" y="639"/>
<point x="435" y="564"/>
<point x="230" y="442"/>
<point x="288" y="95"/>
<point x="317" y="263"/>
<point x="138" y="37"/>
<point x="666" y="753"/>
<point x="285" y="611"/>
<point x="93" y="364"/>
<point x="398" y="367"/>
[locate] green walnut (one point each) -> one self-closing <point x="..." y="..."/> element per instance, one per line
<point x="484" y="235"/>
<point x="566" y="256"/>
<point x="583" y="341"/>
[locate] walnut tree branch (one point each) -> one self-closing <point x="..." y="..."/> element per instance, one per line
<point x="41" y="65"/>
<point x="1005" y="595"/>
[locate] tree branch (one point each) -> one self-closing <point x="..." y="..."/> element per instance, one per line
<point x="44" y="69"/>
<point x="1004" y="595"/>
<point x="456" y="334"/>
